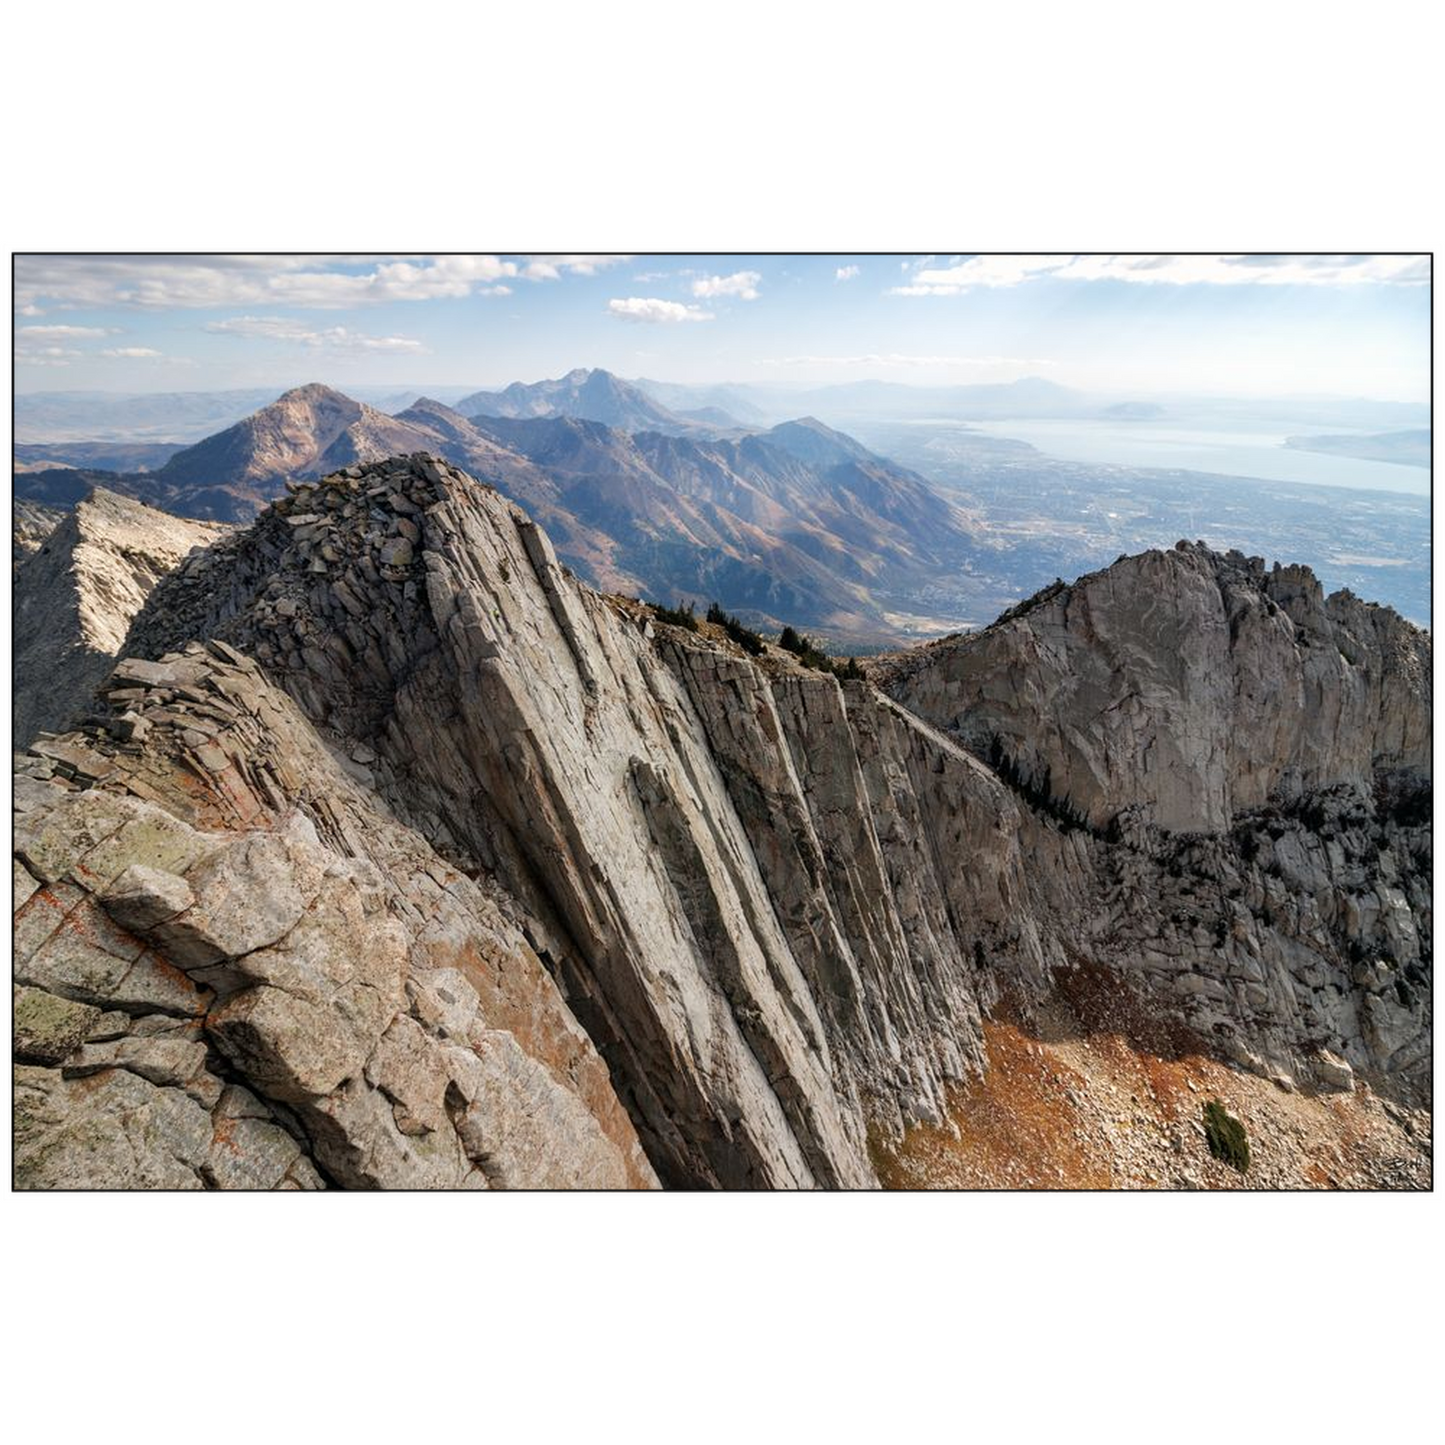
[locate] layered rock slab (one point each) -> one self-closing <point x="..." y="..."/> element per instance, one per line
<point x="639" y="799"/>
<point x="237" y="971"/>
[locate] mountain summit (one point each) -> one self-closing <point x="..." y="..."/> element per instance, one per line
<point x="594" y="395"/>
<point x="309" y="430"/>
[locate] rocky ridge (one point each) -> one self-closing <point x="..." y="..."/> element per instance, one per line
<point x="31" y="524"/>
<point x="1185" y="686"/>
<point x="780" y="906"/>
<point x="235" y="970"/>
<point x="719" y="904"/>
<point x="1246" y="765"/>
<point x="76" y="593"/>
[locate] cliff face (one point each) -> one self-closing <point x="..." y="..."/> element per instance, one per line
<point x="777" y="905"/>
<point x="1184" y="684"/>
<point x="1246" y="765"/>
<point x="75" y="596"/>
<point x="693" y="844"/>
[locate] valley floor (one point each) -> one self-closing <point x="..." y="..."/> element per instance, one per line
<point x="1073" y="1099"/>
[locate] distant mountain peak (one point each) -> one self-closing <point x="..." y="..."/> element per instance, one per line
<point x="312" y="392"/>
<point x="591" y="394"/>
<point x="432" y="405"/>
<point x="813" y="441"/>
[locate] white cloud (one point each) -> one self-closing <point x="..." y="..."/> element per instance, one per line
<point x="495" y="291"/>
<point x="653" y="308"/>
<point x="272" y="328"/>
<point x="552" y="268"/>
<point x="742" y="284"/>
<point x="321" y="282"/>
<point x="331" y="338"/>
<point x="30" y="355"/>
<point x="548" y="268"/>
<point x="959" y="275"/>
<point x="131" y="353"/>
<point x="67" y="332"/>
<point x="847" y="273"/>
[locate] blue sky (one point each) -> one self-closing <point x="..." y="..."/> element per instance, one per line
<point x="1225" y="325"/>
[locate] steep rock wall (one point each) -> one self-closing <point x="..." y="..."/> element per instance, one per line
<point x="1187" y="684"/>
<point x="779" y="906"/>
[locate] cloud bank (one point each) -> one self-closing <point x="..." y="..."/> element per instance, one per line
<point x="655" y="310"/>
<point x="927" y="278"/>
<point x="73" y="333"/>
<point x="332" y="338"/>
<point x="320" y="282"/>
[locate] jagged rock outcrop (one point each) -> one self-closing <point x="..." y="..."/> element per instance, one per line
<point x="1244" y="767"/>
<point x="235" y="970"/>
<point x="621" y="787"/>
<point x="76" y="594"/>
<point x="1184" y="684"/>
<point x="31" y="524"/>
<point x="778" y="904"/>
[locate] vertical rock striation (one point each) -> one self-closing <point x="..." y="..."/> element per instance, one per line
<point x="627" y="890"/>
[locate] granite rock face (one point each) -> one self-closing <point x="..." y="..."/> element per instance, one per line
<point x="75" y="595"/>
<point x="632" y="901"/>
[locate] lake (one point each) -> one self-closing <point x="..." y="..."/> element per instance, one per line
<point x="1231" y="453"/>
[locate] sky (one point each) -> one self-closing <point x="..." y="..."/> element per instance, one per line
<point x="1229" y="325"/>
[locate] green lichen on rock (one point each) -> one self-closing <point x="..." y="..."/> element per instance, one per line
<point x="48" y="1029"/>
<point x="1226" y="1137"/>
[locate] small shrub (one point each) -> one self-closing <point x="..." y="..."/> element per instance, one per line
<point x="677" y="616"/>
<point x="745" y="637"/>
<point x="811" y="655"/>
<point x="1226" y="1137"/>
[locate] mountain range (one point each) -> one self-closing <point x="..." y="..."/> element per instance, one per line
<point x="1407" y="448"/>
<point x="856" y="555"/>
<point x="798" y="523"/>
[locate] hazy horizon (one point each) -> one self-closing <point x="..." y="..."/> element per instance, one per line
<point x="1212" y="327"/>
<point x="422" y="387"/>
